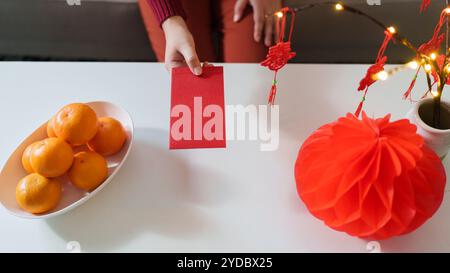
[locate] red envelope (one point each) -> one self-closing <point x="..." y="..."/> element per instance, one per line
<point x="197" y="112"/>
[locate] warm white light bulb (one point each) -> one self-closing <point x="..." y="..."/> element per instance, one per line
<point x="382" y="75"/>
<point x="434" y="93"/>
<point x="447" y="10"/>
<point x="392" y="30"/>
<point x="427" y="67"/>
<point x="413" y="65"/>
<point x="433" y="56"/>
<point x="279" y="14"/>
<point x="339" y="7"/>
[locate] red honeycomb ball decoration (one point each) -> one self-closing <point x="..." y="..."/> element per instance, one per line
<point x="370" y="178"/>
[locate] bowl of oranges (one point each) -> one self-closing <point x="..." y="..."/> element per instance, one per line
<point x="67" y="160"/>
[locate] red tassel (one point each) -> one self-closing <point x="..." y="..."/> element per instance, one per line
<point x="411" y="86"/>
<point x="272" y="94"/>
<point x="273" y="90"/>
<point x="408" y="92"/>
<point x="358" y="110"/>
<point x="361" y="104"/>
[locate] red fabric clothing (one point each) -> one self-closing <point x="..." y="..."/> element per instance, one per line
<point x="164" y="9"/>
<point x="205" y="18"/>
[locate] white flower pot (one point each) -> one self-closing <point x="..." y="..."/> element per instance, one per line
<point x="421" y="115"/>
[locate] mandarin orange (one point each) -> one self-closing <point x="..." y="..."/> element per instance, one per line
<point x="50" y="130"/>
<point x="51" y="157"/>
<point x="110" y="137"/>
<point x="38" y="194"/>
<point x="76" y="123"/>
<point x="26" y="158"/>
<point x="88" y="171"/>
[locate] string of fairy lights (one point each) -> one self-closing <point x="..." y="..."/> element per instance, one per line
<point x="427" y="62"/>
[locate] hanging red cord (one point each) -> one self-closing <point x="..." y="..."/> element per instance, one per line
<point x="370" y="77"/>
<point x="436" y="40"/>
<point x="279" y="54"/>
<point x="424" y="5"/>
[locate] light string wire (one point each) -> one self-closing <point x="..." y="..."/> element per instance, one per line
<point x="397" y="36"/>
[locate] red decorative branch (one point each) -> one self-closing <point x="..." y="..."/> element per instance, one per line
<point x="427" y="53"/>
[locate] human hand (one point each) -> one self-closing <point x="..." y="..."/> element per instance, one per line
<point x="262" y="24"/>
<point x="180" y="46"/>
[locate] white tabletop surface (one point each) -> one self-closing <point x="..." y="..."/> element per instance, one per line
<point x="234" y="200"/>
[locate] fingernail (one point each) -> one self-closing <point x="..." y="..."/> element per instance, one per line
<point x="236" y="18"/>
<point x="197" y="71"/>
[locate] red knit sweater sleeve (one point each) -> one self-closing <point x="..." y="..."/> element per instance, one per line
<point x="164" y="9"/>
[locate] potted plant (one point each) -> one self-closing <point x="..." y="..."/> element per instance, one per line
<point x="431" y="115"/>
<point x="424" y="116"/>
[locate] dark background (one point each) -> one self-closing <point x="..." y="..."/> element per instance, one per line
<point x="112" y="30"/>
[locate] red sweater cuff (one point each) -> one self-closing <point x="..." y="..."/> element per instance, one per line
<point x="164" y="9"/>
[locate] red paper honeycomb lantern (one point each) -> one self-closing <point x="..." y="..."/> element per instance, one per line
<point x="370" y="178"/>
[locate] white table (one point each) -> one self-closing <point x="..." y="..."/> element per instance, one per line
<point x="233" y="200"/>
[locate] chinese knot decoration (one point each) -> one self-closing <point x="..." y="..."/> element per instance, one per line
<point x="370" y="178"/>
<point x="281" y="52"/>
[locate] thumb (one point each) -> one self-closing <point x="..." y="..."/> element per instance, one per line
<point x="191" y="58"/>
<point x="239" y="8"/>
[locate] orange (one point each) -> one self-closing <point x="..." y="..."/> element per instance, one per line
<point x="26" y="158"/>
<point x="51" y="157"/>
<point x="76" y="123"/>
<point x="110" y="137"/>
<point x="88" y="171"/>
<point x="50" y="130"/>
<point x="38" y="194"/>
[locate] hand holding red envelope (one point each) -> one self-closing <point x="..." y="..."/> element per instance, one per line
<point x="197" y="118"/>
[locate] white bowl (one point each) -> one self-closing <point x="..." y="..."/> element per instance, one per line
<point x="72" y="197"/>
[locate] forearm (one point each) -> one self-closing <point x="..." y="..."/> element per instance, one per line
<point x="164" y="9"/>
